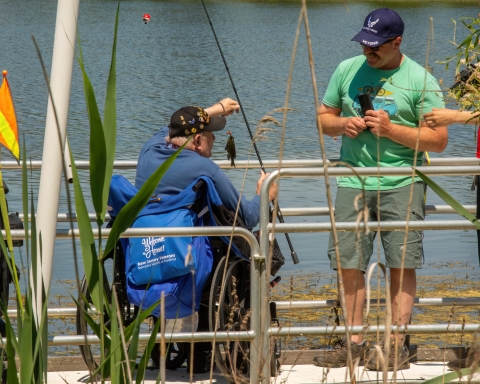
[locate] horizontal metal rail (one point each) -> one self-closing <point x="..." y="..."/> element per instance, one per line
<point x="373" y="226"/>
<point x="324" y="211"/>
<point x="160" y="231"/>
<point x="384" y="171"/>
<point x="306" y="304"/>
<point x="143" y="337"/>
<point x="314" y="211"/>
<point x="410" y="329"/>
<point x="419" y="302"/>
<point x="289" y="163"/>
<point x="279" y="228"/>
<point x="283" y="331"/>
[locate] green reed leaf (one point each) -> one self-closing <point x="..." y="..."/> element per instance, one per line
<point x="133" y="331"/>
<point x="110" y="119"/>
<point x="116" y="360"/>
<point x="141" y="316"/>
<point x="142" y="365"/>
<point x="459" y="208"/>
<point x="448" y="377"/>
<point x="26" y="223"/>
<point x="87" y="242"/>
<point x="128" y="214"/>
<point x="25" y="340"/>
<point x="12" y="346"/>
<point x="98" y="155"/>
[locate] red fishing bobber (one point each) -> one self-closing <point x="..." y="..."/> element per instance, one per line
<point x="146" y="18"/>
<point x="4" y="73"/>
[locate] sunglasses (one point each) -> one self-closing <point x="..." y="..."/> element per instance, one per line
<point x="375" y="49"/>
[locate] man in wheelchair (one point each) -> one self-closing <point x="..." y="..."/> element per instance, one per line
<point x="194" y="161"/>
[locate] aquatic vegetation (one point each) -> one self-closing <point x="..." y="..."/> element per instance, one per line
<point x="324" y="287"/>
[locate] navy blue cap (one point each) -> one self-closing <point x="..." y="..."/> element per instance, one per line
<point x="379" y="26"/>
<point x="191" y="120"/>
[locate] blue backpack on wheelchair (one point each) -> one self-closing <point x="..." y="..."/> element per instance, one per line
<point x="156" y="264"/>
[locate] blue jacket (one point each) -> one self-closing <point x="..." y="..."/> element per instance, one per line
<point x="186" y="168"/>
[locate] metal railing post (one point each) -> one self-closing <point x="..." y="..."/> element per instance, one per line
<point x="264" y="244"/>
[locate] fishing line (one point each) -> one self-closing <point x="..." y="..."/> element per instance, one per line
<point x="279" y="213"/>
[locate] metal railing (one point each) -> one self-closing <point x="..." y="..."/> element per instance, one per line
<point x="305" y="163"/>
<point x="260" y="325"/>
<point x="267" y="228"/>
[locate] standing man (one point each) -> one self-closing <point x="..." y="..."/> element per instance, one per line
<point x="384" y="137"/>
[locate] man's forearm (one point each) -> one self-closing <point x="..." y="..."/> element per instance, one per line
<point x="433" y="140"/>
<point x="467" y="117"/>
<point x="332" y="125"/>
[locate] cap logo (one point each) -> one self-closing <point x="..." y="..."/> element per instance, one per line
<point x="370" y="24"/>
<point x="365" y="42"/>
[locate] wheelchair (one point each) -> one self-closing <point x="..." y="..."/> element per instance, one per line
<point x="228" y="310"/>
<point x="225" y="301"/>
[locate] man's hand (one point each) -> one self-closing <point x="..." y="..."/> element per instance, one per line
<point x="354" y="126"/>
<point x="272" y="193"/>
<point x="439" y="117"/>
<point x="378" y="122"/>
<point x="224" y="107"/>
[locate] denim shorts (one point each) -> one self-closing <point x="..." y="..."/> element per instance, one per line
<point x="356" y="251"/>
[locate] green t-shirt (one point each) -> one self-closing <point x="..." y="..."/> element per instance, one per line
<point x="399" y="92"/>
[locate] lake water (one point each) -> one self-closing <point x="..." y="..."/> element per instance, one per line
<point x="174" y="61"/>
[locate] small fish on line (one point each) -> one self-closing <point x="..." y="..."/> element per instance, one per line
<point x="230" y="148"/>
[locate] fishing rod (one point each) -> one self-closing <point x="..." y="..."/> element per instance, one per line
<point x="279" y="212"/>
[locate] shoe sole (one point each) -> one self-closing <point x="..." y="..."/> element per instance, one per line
<point x="340" y="365"/>
<point x="389" y="369"/>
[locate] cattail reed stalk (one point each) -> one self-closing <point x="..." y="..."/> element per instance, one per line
<point x="122" y="334"/>
<point x="162" y="339"/>
<point x="327" y="188"/>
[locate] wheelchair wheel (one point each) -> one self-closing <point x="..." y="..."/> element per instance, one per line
<point x="230" y="302"/>
<point x="91" y="353"/>
<point x="175" y="355"/>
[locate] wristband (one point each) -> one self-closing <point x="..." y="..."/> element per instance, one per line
<point x="222" y="106"/>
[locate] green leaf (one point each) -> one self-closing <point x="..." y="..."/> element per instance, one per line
<point x="98" y="155"/>
<point x="116" y="359"/>
<point x="110" y="119"/>
<point x="25" y="339"/>
<point x="12" y="346"/>
<point x="448" y="377"/>
<point x="87" y="241"/>
<point x="142" y="365"/>
<point x="459" y="208"/>
<point x="128" y="214"/>
<point x="133" y="331"/>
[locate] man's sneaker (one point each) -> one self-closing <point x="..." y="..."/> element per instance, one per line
<point x="374" y="363"/>
<point x="473" y="359"/>
<point x="336" y="357"/>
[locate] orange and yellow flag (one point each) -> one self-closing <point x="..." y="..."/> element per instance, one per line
<point x="8" y="120"/>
